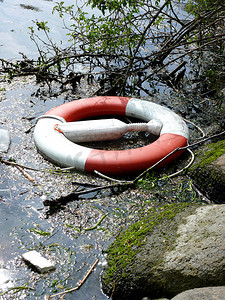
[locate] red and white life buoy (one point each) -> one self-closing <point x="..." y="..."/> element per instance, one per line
<point x="57" y="148"/>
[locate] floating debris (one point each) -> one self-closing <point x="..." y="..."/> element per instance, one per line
<point x="4" y="140"/>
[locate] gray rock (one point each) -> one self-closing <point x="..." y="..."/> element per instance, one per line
<point x="198" y="256"/>
<point x="165" y="254"/>
<point x="147" y="298"/>
<point x="206" y="293"/>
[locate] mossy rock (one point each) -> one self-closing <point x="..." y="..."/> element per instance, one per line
<point x="129" y="260"/>
<point x="208" y="171"/>
<point x="175" y="248"/>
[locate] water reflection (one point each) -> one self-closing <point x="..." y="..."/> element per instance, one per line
<point x="31" y="7"/>
<point x="5" y="279"/>
<point x="17" y="17"/>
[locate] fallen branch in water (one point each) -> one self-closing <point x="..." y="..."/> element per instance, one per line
<point x="75" y="195"/>
<point x="116" y="187"/>
<point x="81" y="282"/>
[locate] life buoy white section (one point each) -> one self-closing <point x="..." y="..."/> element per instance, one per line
<point x="146" y="110"/>
<point x="57" y="148"/>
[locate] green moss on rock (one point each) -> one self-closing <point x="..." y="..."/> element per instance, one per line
<point x="209" y="154"/>
<point x="206" y="174"/>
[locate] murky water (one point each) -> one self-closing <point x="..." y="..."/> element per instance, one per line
<point x="72" y="236"/>
<point x="22" y="211"/>
<point x="75" y="235"/>
<point x="64" y="236"/>
<point x="21" y="207"/>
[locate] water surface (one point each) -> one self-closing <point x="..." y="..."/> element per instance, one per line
<point x="17" y="16"/>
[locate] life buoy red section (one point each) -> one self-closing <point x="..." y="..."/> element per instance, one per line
<point x="56" y="147"/>
<point x="90" y="107"/>
<point x="124" y="161"/>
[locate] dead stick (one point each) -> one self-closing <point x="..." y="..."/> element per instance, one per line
<point x="81" y="282"/>
<point x="27" y="175"/>
<point x="75" y="195"/>
<point x="11" y="163"/>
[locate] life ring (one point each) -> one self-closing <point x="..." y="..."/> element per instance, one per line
<point x="61" y="151"/>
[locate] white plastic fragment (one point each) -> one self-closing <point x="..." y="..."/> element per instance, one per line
<point x="38" y="261"/>
<point x="4" y="139"/>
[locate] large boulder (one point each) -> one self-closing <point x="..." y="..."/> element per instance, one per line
<point x="208" y="171"/>
<point x="173" y="249"/>
<point x="207" y="293"/>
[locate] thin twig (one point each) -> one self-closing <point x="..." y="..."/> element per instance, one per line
<point x="14" y="164"/>
<point x="27" y="175"/>
<point x="11" y="163"/>
<point x="79" y="284"/>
